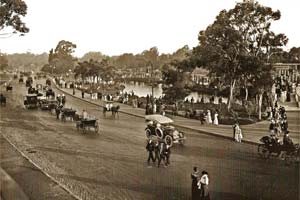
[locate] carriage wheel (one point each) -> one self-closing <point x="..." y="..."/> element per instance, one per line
<point x="169" y="140"/>
<point x="263" y="151"/>
<point x="148" y="133"/>
<point x="159" y="133"/>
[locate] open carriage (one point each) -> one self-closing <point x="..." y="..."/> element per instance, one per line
<point x="48" y="104"/>
<point x="31" y="101"/>
<point x="87" y="124"/>
<point x="67" y="113"/>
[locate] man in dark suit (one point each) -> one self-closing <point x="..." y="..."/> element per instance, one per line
<point x="150" y="149"/>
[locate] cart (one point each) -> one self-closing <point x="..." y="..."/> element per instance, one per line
<point x="67" y="113"/>
<point x="31" y="101"/>
<point x="87" y="124"/>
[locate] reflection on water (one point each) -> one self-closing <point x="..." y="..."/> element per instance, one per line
<point x="142" y="89"/>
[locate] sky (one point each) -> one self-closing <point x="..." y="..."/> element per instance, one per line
<point x="114" y="27"/>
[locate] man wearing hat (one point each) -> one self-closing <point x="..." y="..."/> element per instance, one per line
<point x="150" y="149"/>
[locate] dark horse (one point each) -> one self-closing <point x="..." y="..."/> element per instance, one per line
<point x="114" y="111"/>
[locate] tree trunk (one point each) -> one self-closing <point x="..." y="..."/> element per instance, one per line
<point x="259" y="105"/>
<point x="232" y="85"/>
<point x="247" y="93"/>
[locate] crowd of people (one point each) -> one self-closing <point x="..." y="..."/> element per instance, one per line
<point x="282" y="89"/>
<point x="158" y="151"/>
<point x="279" y="126"/>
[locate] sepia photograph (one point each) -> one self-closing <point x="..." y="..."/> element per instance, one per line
<point x="149" y="100"/>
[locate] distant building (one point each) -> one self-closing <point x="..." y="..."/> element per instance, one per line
<point x="289" y="70"/>
<point x="200" y="76"/>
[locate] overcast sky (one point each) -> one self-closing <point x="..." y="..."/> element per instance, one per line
<point x="114" y="27"/>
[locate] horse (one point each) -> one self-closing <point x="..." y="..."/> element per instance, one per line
<point x="115" y="111"/>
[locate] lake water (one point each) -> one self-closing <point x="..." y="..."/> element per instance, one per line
<point x="142" y="90"/>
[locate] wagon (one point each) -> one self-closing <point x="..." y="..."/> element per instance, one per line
<point x="87" y="124"/>
<point x="67" y="113"/>
<point x="160" y="129"/>
<point x="31" y="101"/>
<point x="48" y="104"/>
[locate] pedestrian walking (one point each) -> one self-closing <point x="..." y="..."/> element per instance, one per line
<point x="156" y="151"/>
<point x="203" y="186"/>
<point x="195" y="191"/>
<point x="238" y="134"/>
<point x="216" y="121"/>
<point x="162" y="154"/>
<point x="208" y="117"/>
<point x="82" y="94"/>
<point x="167" y="155"/>
<point x="150" y="149"/>
<point x="234" y="129"/>
<point x="154" y="108"/>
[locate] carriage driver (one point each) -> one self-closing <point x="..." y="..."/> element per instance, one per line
<point x="84" y="114"/>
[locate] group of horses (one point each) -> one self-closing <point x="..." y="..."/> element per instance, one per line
<point x="114" y="111"/>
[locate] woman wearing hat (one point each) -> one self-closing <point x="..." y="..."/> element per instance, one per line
<point x="203" y="186"/>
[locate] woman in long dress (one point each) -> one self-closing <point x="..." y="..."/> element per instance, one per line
<point x="238" y="134"/>
<point x="203" y="185"/>
<point x="216" y="121"/>
<point x="208" y="117"/>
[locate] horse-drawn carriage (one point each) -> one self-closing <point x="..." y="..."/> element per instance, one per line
<point x="271" y="147"/>
<point x="87" y="124"/>
<point x="159" y="128"/>
<point x="67" y="113"/>
<point x="110" y="106"/>
<point x="31" y="101"/>
<point x="48" y="104"/>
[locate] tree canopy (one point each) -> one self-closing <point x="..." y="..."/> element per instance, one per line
<point x="11" y="13"/>
<point x="61" y="59"/>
